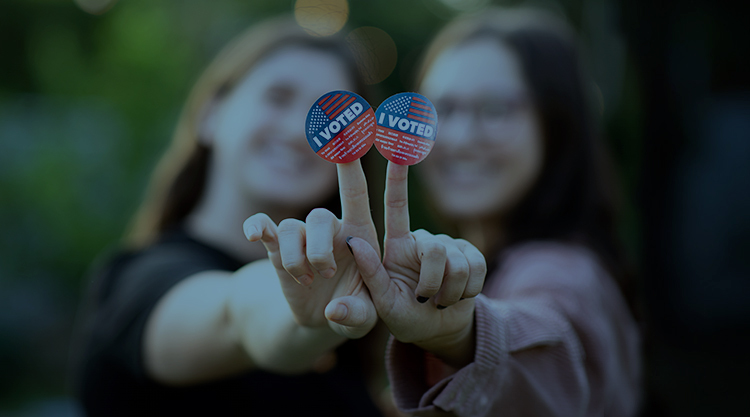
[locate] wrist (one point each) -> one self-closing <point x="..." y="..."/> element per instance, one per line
<point x="454" y="349"/>
<point x="297" y="349"/>
<point x="266" y="330"/>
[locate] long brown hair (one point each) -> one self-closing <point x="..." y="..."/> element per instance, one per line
<point x="574" y="198"/>
<point x="178" y="182"/>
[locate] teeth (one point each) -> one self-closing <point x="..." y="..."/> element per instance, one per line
<point x="285" y="156"/>
<point x="468" y="171"/>
<point x="465" y="168"/>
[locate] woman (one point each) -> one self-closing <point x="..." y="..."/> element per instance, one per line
<point x="517" y="169"/>
<point x="190" y="320"/>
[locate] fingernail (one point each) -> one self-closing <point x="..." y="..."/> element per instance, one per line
<point x="328" y="273"/>
<point x="249" y="233"/>
<point x="339" y="313"/>
<point x="422" y="299"/>
<point x="304" y="280"/>
<point x="348" y="245"/>
<point x="441" y="307"/>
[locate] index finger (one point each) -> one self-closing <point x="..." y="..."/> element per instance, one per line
<point x="396" y="201"/>
<point x="355" y="201"/>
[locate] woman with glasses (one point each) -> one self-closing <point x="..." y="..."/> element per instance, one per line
<point x="518" y="170"/>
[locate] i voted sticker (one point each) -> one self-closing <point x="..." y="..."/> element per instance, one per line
<point x="407" y="125"/>
<point x="340" y="127"/>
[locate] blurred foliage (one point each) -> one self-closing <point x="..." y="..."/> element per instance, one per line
<point x="87" y="104"/>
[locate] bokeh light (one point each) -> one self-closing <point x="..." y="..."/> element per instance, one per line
<point x="375" y="51"/>
<point x="95" y="6"/>
<point x="465" y="5"/>
<point x="321" y="17"/>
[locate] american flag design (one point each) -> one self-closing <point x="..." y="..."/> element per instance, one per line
<point x="340" y="126"/>
<point x="407" y="127"/>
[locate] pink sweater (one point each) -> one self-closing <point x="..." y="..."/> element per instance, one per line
<point x="554" y="338"/>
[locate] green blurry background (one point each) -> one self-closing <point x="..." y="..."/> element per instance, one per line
<point x="88" y="102"/>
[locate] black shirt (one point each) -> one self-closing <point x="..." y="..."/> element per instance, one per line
<point x="110" y="376"/>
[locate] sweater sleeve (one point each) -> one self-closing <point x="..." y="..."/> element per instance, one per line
<point x="552" y="339"/>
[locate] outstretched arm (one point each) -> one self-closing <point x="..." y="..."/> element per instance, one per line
<point x="555" y="338"/>
<point x="215" y="324"/>
<point x="279" y="314"/>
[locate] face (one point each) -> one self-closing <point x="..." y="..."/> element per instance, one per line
<point x="258" y="130"/>
<point x="488" y="150"/>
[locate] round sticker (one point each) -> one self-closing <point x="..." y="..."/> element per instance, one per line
<point x="340" y="126"/>
<point x="407" y="125"/>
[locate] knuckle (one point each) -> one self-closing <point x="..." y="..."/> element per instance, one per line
<point x="463" y="242"/>
<point x="458" y="269"/>
<point x="479" y="267"/>
<point x="353" y="192"/>
<point x="451" y="294"/>
<point x="320" y="260"/>
<point x="434" y="250"/>
<point x="445" y="239"/>
<point x="296" y="267"/>
<point x="249" y="225"/>
<point x="319" y="215"/>
<point x="474" y="286"/>
<point x="428" y="288"/>
<point x="421" y="233"/>
<point x="289" y="225"/>
<point x="258" y="217"/>
<point x="261" y="217"/>
<point x="397" y="203"/>
<point x="472" y="291"/>
<point x="357" y="316"/>
<point x="251" y="220"/>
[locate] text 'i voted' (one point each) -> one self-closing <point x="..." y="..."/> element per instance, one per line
<point x="340" y="126"/>
<point x="407" y="126"/>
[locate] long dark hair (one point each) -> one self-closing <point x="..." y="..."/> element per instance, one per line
<point x="180" y="177"/>
<point x="574" y="198"/>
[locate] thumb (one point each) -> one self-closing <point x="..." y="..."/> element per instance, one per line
<point x="351" y="316"/>
<point x="370" y="268"/>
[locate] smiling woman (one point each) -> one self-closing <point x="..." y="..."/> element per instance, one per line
<point x="189" y="317"/>
<point x="261" y="160"/>
<point x="226" y="106"/>
<point x="490" y="150"/>
<point x="519" y="170"/>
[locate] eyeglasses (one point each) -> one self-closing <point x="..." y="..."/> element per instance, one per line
<point x="491" y="113"/>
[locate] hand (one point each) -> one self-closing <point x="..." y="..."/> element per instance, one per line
<point x="418" y="287"/>
<point x="317" y="271"/>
